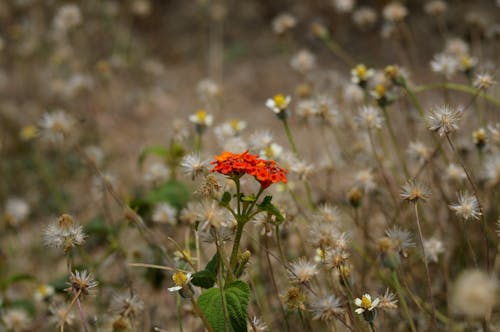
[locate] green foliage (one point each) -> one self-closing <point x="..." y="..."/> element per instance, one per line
<point x="269" y="207"/>
<point x="174" y="192"/>
<point x="226" y="198"/>
<point x="207" y="278"/>
<point x="15" y="278"/>
<point x="204" y="279"/>
<point x="236" y="301"/>
<point x="155" y="150"/>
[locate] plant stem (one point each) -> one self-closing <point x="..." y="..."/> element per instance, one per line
<point x="402" y="300"/>
<point x="429" y="290"/>
<point x="290" y="137"/>
<point x="179" y="315"/>
<point x="200" y="313"/>
<point x="395" y="142"/>
<point x="372" y="327"/>
<point x="458" y="87"/>
<point x="474" y="191"/>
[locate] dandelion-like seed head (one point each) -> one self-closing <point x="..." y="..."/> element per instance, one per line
<point x="433" y="248"/>
<point x="388" y="301"/>
<point x="413" y="192"/>
<point x="444" y="120"/>
<point x="401" y="239"/>
<point x="483" y="81"/>
<point x="445" y="64"/>
<point x="303" y="62"/>
<point x="435" y="7"/>
<point x="474" y="294"/>
<point x="364" y="17"/>
<point x="127" y="305"/>
<point x="395" y="12"/>
<point x="467" y="207"/>
<point x="369" y="117"/>
<point x="56" y="126"/>
<point x="295" y="298"/>
<point x="326" y="308"/>
<point x="82" y="282"/>
<point x="193" y="165"/>
<point x="65" y="233"/>
<point x="283" y="22"/>
<point x="302" y="271"/>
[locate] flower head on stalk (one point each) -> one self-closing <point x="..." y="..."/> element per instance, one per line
<point x="279" y="104"/>
<point x="366" y="307"/>
<point x="181" y="280"/>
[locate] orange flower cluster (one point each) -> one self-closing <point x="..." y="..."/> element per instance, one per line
<point x="266" y="172"/>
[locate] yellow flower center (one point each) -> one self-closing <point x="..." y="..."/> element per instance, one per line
<point x="466" y="62"/>
<point x="201" y="115"/>
<point x="380" y="90"/>
<point x="361" y="71"/>
<point x="179" y="278"/>
<point x="43" y="290"/>
<point x="28" y="132"/>
<point x="366" y="302"/>
<point x="235" y="124"/>
<point x="279" y="100"/>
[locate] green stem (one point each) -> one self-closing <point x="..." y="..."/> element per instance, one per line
<point x="458" y="87"/>
<point x="421" y="112"/>
<point x="372" y="327"/>
<point x="338" y="51"/>
<point x="179" y="315"/>
<point x="278" y="243"/>
<point x="290" y="137"/>
<point x="236" y="245"/>
<point x="427" y="273"/>
<point x="395" y="142"/>
<point x="402" y="300"/>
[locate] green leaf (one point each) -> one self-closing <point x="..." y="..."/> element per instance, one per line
<point x="250" y="198"/>
<point x="203" y="279"/>
<point x="97" y="226"/>
<point x="213" y="265"/>
<point x="269" y="207"/>
<point x="16" y="278"/>
<point x="236" y="294"/>
<point x="25" y="305"/>
<point x="173" y="192"/>
<point x="156" y="150"/>
<point x="226" y="198"/>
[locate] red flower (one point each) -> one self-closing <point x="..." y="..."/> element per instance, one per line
<point x="266" y="172"/>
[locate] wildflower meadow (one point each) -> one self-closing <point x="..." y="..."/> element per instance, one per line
<point x="233" y="166"/>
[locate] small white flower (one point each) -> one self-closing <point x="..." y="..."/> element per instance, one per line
<point x="180" y="280"/>
<point x="272" y="151"/>
<point x="278" y="103"/>
<point x="201" y="118"/>
<point x="365" y="303"/>
<point x="360" y="74"/>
